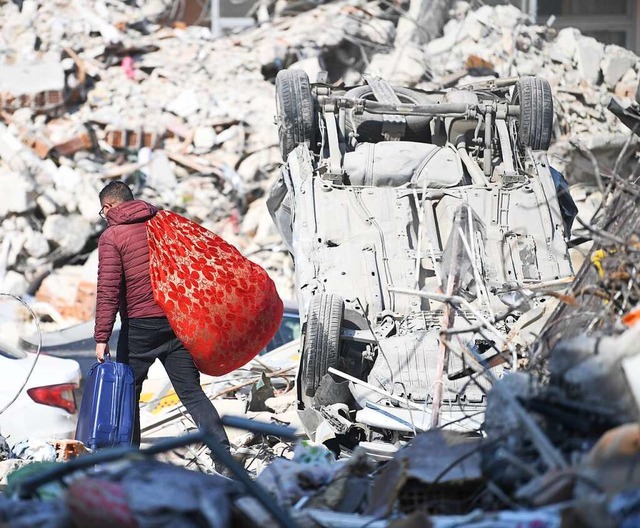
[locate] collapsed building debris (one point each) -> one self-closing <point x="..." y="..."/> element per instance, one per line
<point x="126" y="85"/>
<point x="162" y="109"/>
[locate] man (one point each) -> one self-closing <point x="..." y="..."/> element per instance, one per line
<point x="124" y="284"/>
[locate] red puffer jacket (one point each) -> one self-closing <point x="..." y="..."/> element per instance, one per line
<point x="124" y="282"/>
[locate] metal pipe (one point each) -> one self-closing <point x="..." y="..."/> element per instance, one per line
<point x="31" y="483"/>
<point x="409" y="109"/>
<point x="215" y="18"/>
<point x="477" y="176"/>
<point x="458" y="300"/>
<point x="438" y="109"/>
<point x="380" y="409"/>
<point x="505" y="145"/>
<point x="453" y="279"/>
<point x="254" y="426"/>
<point x="488" y="124"/>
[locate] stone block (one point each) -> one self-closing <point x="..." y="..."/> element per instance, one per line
<point x="563" y="48"/>
<point x="204" y="138"/>
<point x="186" y="104"/>
<point x="36" y="245"/>
<point x="615" y="63"/>
<point x="17" y="194"/>
<point x="69" y="232"/>
<point x="14" y="283"/>
<point x="588" y="56"/>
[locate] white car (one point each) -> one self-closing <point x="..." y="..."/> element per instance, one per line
<point x="410" y="216"/>
<point x="46" y="407"/>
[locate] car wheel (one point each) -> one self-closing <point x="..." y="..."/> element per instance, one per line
<point x="367" y="127"/>
<point x="295" y="110"/>
<point x="322" y="340"/>
<point x="534" y="96"/>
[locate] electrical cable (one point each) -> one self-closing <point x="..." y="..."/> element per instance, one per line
<point x="35" y="360"/>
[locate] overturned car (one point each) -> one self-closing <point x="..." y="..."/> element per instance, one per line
<point x="425" y="228"/>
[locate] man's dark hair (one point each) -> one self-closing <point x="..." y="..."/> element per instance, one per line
<point x="115" y="192"/>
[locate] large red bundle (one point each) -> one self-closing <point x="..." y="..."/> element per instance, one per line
<point x="223" y="307"/>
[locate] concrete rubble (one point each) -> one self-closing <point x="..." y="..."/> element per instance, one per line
<point x="160" y="107"/>
<point x="94" y="92"/>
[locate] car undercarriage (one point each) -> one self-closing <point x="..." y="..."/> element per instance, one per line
<point x="427" y="231"/>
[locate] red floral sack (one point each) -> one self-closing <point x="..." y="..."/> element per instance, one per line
<point x="222" y="306"/>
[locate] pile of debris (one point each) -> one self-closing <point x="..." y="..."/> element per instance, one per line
<point x="92" y="93"/>
<point x="262" y="390"/>
<point x="584" y="74"/>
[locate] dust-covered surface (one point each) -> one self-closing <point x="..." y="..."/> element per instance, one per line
<point x="102" y="91"/>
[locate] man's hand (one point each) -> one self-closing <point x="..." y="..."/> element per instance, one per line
<point x="102" y="349"/>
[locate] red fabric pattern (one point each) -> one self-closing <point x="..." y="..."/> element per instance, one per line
<point x="99" y="504"/>
<point x="223" y="307"/>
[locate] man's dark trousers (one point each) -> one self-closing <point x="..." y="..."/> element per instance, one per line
<point x="144" y="340"/>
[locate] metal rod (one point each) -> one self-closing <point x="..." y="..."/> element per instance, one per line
<point x="222" y="455"/>
<point x="453" y="279"/>
<point x="419" y="213"/>
<point x="380" y="409"/>
<point x="438" y="109"/>
<point x="432" y="231"/>
<point x="30" y="484"/>
<point x="215" y="18"/>
<point x="488" y="124"/>
<point x="477" y="176"/>
<point x="548" y="285"/>
<point x="373" y="388"/>
<point x="457" y="300"/>
<point x="548" y="452"/>
<point x="259" y="427"/>
<point x="410" y="109"/>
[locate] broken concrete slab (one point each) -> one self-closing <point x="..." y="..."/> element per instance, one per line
<point x="36" y="245"/>
<point x="69" y="292"/>
<point x="14" y="283"/>
<point x="158" y="170"/>
<point x="406" y="66"/>
<point x="185" y="105"/>
<point x="616" y="61"/>
<point x="70" y="233"/>
<point x="435" y="460"/>
<point x="588" y="56"/>
<point x="31" y="78"/>
<point x="563" y="49"/>
<point x="282" y="403"/>
<point x="17" y="196"/>
<point x="204" y="138"/>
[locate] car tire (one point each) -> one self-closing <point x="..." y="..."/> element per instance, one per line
<point x="367" y="127"/>
<point x="534" y="96"/>
<point x="322" y="340"/>
<point x="295" y="110"/>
